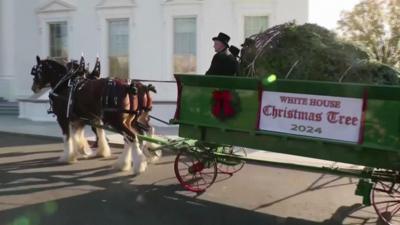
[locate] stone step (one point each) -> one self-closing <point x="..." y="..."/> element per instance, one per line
<point x="8" y="108"/>
<point x="9" y="113"/>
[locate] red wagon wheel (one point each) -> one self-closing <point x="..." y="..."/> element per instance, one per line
<point x="231" y="165"/>
<point x="194" y="173"/>
<point x="386" y="201"/>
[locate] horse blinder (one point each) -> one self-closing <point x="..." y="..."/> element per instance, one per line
<point x="34" y="71"/>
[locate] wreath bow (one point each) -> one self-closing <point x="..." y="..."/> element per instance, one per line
<point x="222" y="107"/>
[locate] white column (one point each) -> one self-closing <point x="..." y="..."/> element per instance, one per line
<point x="7" y="53"/>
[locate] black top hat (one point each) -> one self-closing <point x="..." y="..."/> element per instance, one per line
<point x="234" y="50"/>
<point x="222" y="37"/>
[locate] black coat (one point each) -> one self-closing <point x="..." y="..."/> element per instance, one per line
<point x="223" y="64"/>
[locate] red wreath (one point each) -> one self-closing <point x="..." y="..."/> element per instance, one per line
<point x="224" y="104"/>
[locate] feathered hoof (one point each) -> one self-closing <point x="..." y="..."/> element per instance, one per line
<point x="104" y="152"/>
<point x="84" y="148"/>
<point x="69" y="160"/>
<point x="140" y="167"/>
<point x="89" y="153"/>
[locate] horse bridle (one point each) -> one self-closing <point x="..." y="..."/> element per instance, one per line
<point x="36" y="72"/>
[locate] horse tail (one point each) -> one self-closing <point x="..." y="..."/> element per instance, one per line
<point x="151" y="87"/>
<point x="142" y="92"/>
<point x="149" y="102"/>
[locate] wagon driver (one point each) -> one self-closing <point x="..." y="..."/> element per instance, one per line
<point x="223" y="63"/>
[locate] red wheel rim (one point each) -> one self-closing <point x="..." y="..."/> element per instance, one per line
<point x="386" y="201"/>
<point x="193" y="174"/>
<point x="234" y="165"/>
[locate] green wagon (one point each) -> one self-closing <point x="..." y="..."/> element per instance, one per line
<point x="342" y="122"/>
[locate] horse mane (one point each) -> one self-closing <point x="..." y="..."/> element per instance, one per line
<point x="61" y="68"/>
<point x="72" y="65"/>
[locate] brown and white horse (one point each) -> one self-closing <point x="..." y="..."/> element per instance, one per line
<point x="109" y="101"/>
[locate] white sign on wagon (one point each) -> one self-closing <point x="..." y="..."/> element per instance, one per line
<point x="337" y="118"/>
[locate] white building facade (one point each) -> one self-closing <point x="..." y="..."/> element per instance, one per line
<point x="137" y="39"/>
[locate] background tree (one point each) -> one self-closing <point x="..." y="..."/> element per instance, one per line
<point x="375" y="25"/>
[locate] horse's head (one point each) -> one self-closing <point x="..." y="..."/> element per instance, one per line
<point x="46" y="72"/>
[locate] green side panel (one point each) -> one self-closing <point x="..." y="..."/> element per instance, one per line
<point x="196" y="102"/>
<point x="379" y="149"/>
<point x="196" y="108"/>
<point x="382" y="125"/>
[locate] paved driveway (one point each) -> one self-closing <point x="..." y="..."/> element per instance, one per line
<point x="36" y="190"/>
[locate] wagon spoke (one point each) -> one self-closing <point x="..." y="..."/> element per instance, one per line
<point x="195" y="181"/>
<point x="396" y="210"/>
<point x="393" y="202"/>
<point x="186" y="174"/>
<point x="397" y="189"/>
<point x="385" y="185"/>
<point x="385" y="208"/>
<point x="208" y="174"/>
<point x="386" y="194"/>
<point x="186" y="164"/>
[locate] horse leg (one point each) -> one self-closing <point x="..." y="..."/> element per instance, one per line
<point x="76" y="129"/>
<point x="103" y="149"/>
<point x="83" y="145"/>
<point x="124" y="161"/>
<point x="68" y="154"/>
<point x="131" y="149"/>
<point x="139" y="159"/>
<point x="148" y="147"/>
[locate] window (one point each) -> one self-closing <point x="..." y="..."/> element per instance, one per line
<point x="58" y="40"/>
<point x="254" y="25"/>
<point x="118" y="48"/>
<point x="184" y="45"/>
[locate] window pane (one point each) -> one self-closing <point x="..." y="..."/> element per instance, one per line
<point x="58" y="40"/>
<point x="255" y="25"/>
<point x="185" y="45"/>
<point x="118" y="48"/>
<point x="119" y="66"/>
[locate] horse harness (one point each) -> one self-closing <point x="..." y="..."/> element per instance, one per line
<point x="73" y="81"/>
<point x="110" y="96"/>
